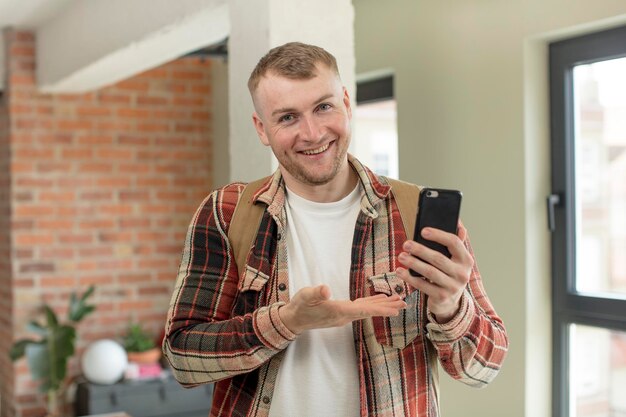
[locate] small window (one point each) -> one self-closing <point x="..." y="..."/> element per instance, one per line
<point x="376" y="132"/>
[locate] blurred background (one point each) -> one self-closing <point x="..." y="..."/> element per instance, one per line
<point x="117" y="118"/>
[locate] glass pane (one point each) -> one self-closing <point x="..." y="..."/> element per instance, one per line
<point x="600" y="123"/>
<point x="376" y="137"/>
<point x="597" y="372"/>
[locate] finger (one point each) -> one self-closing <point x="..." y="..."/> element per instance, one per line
<point x="371" y="297"/>
<point x="461" y="231"/>
<point x="368" y="308"/>
<point x="454" y="243"/>
<point x="418" y="283"/>
<point x="429" y="263"/>
<point x="315" y="295"/>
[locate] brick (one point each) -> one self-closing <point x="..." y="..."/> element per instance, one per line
<point x="77" y="153"/>
<point x="30" y="153"/>
<point x="95" y="140"/>
<point x="71" y="125"/>
<point x="133" y="195"/>
<point x="25" y="239"/>
<point x="134" y="168"/>
<point x="54" y="224"/>
<point x="133" y="113"/>
<point x="93" y="111"/>
<point x="49" y="167"/>
<point x="160" y="72"/>
<point x="57" y="253"/>
<point x="58" y="197"/>
<point x="114" y="126"/>
<point x="96" y="251"/>
<point x="112" y="237"/>
<point x="133" y="85"/>
<point x="116" y="210"/>
<point x="96" y="195"/>
<point x="156" y="182"/>
<point x="112" y="98"/>
<point x="134" y="223"/>
<point x="114" y="182"/>
<point x="95" y="167"/>
<point x="135" y="278"/>
<point x="153" y="127"/>
<point x="152" y="101"/>
<point x="33" y="210"/>
<point x="22" y="79"/>
<point x="187" y="75"/>
<point x="136" y="305"/>
<point x="23" y="196"/>
<point x="55" y="139"/>
<point x="134" y="140"/>
<point x="117" y="154"/>
<point x="97" y="224"/>
<point x="75" y="238"/>
<point x="53" y="282"/>
<point x="26" y="224"/>
<point x="27" y="253"/>
<point x="96" y="280"/>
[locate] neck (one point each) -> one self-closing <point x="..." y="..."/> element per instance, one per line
<point x="334" y="190"/>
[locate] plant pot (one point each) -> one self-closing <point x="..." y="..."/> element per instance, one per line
<point x="149" y="356"/>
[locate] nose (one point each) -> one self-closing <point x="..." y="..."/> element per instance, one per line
<point x="310" y="128"/>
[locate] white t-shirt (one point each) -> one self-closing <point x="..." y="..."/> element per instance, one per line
<point x="319" y="374"/>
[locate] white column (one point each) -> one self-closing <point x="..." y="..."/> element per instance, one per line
<point x="259" y="25"/>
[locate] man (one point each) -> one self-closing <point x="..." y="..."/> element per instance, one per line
<point x="325" y="320"/>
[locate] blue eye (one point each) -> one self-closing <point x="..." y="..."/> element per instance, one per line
<point x="325" y="106"/>
<point x="286" y="118"/>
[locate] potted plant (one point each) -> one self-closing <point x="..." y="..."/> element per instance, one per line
<point x="140" y="346"/>
<point x="47" y="355"/>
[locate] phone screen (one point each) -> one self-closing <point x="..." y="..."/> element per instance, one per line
<point x="439" y="209"/>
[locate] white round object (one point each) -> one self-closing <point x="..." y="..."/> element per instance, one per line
<point x="104" y="362"/>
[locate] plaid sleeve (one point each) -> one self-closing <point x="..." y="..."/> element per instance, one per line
<point x="472" y="346"/>
<point x="203" y="342"/>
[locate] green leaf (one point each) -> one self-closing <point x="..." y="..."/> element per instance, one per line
<point x="51" y="317"/>
<point x="35" y="327"/>
<point x="19" y="349"/>
<point x="78" y="307"/>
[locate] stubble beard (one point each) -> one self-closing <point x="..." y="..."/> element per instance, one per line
<point x="300" y="173"/>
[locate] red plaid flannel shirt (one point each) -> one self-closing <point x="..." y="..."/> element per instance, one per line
<point x="223" y="325"/>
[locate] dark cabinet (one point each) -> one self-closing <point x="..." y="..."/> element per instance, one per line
<point x="151" y="398"/>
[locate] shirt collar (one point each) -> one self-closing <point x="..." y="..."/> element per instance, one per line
<point x="374" y="190"/>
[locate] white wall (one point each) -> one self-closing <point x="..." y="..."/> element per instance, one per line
<point x="471" y="90"/>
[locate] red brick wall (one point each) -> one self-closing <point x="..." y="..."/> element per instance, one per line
<point x="103" y="186"/>
<point x="6" y="332"/>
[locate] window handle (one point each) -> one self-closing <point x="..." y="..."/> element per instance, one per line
<point x="553" y="200"/>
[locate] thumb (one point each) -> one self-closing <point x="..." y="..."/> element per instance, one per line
<point x="314" y="295"/>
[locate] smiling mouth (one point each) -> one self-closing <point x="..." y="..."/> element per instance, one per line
<point x="318" y="150"/>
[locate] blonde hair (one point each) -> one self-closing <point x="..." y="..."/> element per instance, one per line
<point x="293" y="60"/>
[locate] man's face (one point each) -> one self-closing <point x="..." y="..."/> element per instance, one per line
<point x="306" y="123"/>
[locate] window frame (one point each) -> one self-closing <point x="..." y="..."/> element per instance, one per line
<point x="569" y="306"/>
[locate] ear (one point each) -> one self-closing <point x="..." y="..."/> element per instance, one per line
<point x="260" y="130"/>
<point x="346" y="102"/>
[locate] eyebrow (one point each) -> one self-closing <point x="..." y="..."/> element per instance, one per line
<point x="291" y="109"/>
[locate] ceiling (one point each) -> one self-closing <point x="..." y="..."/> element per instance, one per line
<point x="29" y="14"/>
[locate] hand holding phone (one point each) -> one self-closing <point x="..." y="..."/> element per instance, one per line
<point x="439" y="209"/>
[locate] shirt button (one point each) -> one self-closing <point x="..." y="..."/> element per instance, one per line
<point x="266" y="400"/>
<point x="399" y="289"/>
<point x="279" y="236"/>
<point x="282" y="286"/>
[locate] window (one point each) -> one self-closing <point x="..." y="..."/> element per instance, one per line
<point x="588" y="115"/>
<point x="376" y="134"/>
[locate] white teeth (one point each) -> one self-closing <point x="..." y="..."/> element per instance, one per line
<point x="316" y="151"/>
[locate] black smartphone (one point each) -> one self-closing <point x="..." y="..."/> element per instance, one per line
<point x="439" y="209"/>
